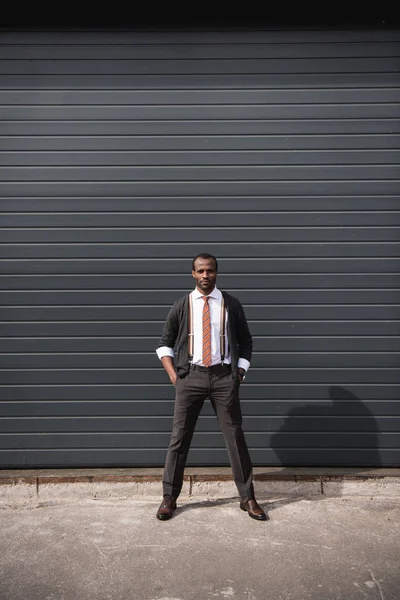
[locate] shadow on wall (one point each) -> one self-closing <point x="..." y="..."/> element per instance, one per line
<point x="342" y="433"/>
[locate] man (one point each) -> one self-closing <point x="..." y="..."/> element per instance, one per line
<point x="209" y="331"/>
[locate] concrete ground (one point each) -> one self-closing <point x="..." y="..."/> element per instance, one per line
<point x="320" y="548"/>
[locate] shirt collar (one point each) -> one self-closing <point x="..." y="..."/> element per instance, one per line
<point x="216" y="294"/>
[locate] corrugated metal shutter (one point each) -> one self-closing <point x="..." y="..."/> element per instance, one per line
<point x="124" y="154"/>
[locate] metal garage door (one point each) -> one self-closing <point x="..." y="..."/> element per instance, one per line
<point x="124" y="154"/>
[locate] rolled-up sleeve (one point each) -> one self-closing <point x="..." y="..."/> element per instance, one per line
<point x="165" y="351"/>
<point x="168" y="338"/>
<point x="243" y="364"/>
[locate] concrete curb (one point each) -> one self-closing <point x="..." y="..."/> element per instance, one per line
<point x="33" y="488"/>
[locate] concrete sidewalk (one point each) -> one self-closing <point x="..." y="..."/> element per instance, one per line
<point x="318" y="548"/>
<point x="30" y="488"/>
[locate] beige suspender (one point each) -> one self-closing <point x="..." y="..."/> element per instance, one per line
<point x="190" y="329"/>
<point x="222" y="331"/>
<point x="222" y="336"/>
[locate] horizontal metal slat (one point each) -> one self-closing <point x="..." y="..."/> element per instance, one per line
<point x="217" y="66"/>
<point x="42" y="327"/>
<point x="148" y="457"/>
<point x="199" y="143"/>
<point x="148" y="344"/>
<point x="202" y="456"/>
<point x="291" y="313"/>
<point x="229" y="250"/>
<point x="272" y="223"/>
<point x="201" y="127"/>
<point x="208" y="235"/>
<point x="198" y="188"/>
<point x="261" y="282"/>
<point x="136" y="281"/>
<point x="265" y="266"/>
<point x="309" y="395"/>
<point x="214" y="440"/>
<point x="232" y="173"/>
<point x="103" y="376"/>
<point x="217" y="36"/>
<point x="324" y="411"/>
<point x="315" y="425"/>
<point x="198" y="81"/>
<point x="238" y="95"/>
<point x="199" y="112"/>
<point x="154" y="210"/>
<point x="195" y="51"/>
<point x="266" y="360"/>
<point x="153" y="298"/>
<point x="203" y="158"/>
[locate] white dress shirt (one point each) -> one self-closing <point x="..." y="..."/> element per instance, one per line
<point x="215" y="301"/>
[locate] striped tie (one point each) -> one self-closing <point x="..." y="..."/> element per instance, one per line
<point x="206" y="333"/>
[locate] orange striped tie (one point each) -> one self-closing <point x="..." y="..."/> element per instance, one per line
<point x="206" y="333"/>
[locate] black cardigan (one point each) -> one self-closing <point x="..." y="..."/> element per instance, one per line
<point x="175" y="333"/>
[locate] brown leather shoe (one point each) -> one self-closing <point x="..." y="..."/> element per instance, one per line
<point x="254" y="510"/>
<point x="166" y="509"/>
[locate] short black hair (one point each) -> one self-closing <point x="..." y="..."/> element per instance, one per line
<point x="206" y="256"/>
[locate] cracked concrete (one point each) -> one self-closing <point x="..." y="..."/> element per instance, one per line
<point x="112" y="547"/>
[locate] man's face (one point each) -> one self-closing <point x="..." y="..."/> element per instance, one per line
<point x="205" y="275"/>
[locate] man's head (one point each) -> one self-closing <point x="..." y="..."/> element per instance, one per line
<point x="204" y="271"/>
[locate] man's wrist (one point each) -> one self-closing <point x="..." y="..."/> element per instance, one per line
<point x="241" y="373"/>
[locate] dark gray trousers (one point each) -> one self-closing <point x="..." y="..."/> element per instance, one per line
<point x="191" y="391"/>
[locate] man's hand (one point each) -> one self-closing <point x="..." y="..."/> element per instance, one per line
<point x="241" y="374"/>
<point x="168" y="364"/>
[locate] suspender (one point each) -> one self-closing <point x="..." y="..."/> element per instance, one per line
<point x="222" y="331"/>
<point x="222" y="335"/>
<point x="190" y="329"/>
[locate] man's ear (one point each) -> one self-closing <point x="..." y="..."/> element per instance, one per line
<point x="193" y="274"/>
